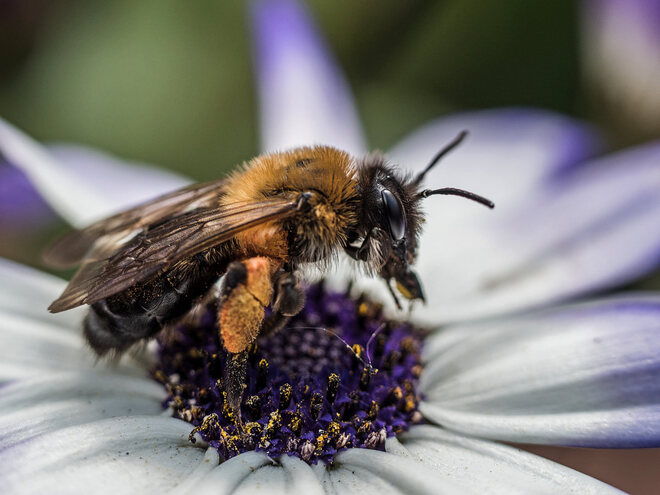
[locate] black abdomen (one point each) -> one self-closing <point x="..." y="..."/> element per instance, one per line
<point x="140" y="312"/>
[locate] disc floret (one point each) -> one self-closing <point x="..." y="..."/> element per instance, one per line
<point x="339" y="375"/>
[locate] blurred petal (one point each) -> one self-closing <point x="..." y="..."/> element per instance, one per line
<point x="28" y="292"/>
<point x="621" y="53"/>
<point x="21" y="207"/>
<point x="507" y="153"/>
<point x="32" y="407"/>
<point x="66" y="193"/>
<point x="33" y="341"/>
<point x="304" y="97"/>
<point x="125" y="183"/>
<point x="80" y="197"/>
<point x="586" y="375"/>
<point x="594" y="228"/>
<point x="486" y="467"/>
<point x="143" y="454"/>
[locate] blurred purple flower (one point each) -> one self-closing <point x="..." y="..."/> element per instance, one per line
<point x="622" y="58"/>
<point x="21" y="207"/>
<point x="565" y="225"/>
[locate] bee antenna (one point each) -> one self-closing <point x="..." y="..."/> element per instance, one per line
<point x="452" y="191"/>
<point x="367" y="351"/>
<point x="457" y="140"/>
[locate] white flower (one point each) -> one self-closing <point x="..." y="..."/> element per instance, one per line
<point x="584" y="375"/>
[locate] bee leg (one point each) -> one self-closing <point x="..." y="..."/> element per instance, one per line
<point x="288" y="300"/>
<point x="273" y="324"/>
<point x="288" y="297"/>
<point x="235" y="382"/>
<point x="396" y="299"/>
<point x="361" y="253"/>
<point x="245" y="293"/>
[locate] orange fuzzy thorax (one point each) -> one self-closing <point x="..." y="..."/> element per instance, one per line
<point x="326" y="171"/>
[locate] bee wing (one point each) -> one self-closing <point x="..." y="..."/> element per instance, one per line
<point x="71" y="249"/>
<point x="159" y="247"/>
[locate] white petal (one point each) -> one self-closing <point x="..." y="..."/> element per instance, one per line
<point x="304" y="97"/>
<point x="487" y="467"/>
<point x="347" y="480"/>
<point x="124" y="183"/>
<point x="301" y="477"/>
<point x="208" y="464"/>
<point x="30" y="347"/>
<point x="33" y="341"/>
<point x="225" y="478"/>
<point x="586" y="375"/>
<point x="127" y="455"/>
<point x="253" y="472"/>
<point x="589" y="230"/>
<point x="507" y="153"/>
<point x="32" y="407"/>
<point x="364" y="471"/>
<point x="28" y="292"/>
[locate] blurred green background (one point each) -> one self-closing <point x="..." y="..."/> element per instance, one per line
<point x="171" y="82"/>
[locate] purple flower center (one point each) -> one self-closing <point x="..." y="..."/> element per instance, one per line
<point x="338" y="375"/>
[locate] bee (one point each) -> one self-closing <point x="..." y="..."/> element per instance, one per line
<point x="146" y="268"/>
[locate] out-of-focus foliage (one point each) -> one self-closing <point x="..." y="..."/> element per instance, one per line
<point x="171" y="83"/>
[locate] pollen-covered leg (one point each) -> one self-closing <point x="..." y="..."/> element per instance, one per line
<point x="246" y="291"/>
<point x="235" y="382"/>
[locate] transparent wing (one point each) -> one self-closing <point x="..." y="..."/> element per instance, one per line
<point x="104" y="236"/>
<point x="158" y="247"/>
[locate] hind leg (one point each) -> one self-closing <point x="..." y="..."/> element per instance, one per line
<point x="246" y="291"/>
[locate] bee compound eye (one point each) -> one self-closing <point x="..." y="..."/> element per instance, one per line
<point x="394" y="214"/>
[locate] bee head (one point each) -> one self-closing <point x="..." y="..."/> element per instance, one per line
<point x="390" y="220"/>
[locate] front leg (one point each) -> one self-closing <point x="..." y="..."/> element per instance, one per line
<point x="245" y="293"/>
<point x="288" y="301"/>
<point x="362" y="253"/>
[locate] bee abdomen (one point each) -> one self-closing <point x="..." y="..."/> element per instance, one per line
<point x="106" y="331"/>
<point x="140" y="312"/>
